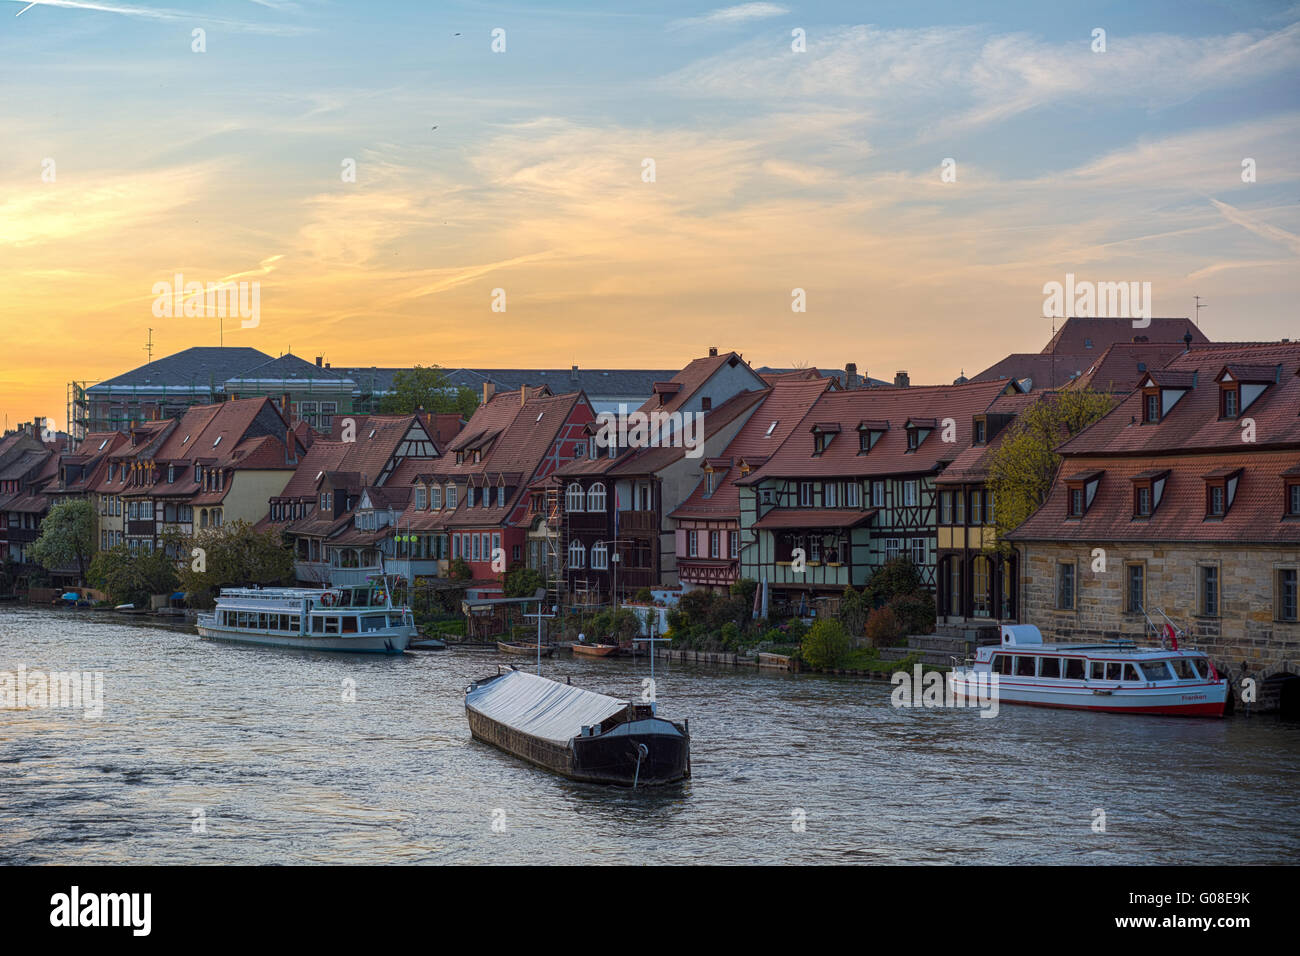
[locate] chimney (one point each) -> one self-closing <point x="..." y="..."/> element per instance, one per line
<point x="713" y="351"/>
<point x="488" y="389"/>
<point x="573" y="374"/>
<point x="319" y="359"/>
<point x="851" y="379"/>
<point x="132" y="424"/>
<point x="901" y="379"/>
<point x="1187" y="341"/>
<point x="284" y="406"/>
<point x="327" y="364"/>
<point x="523" y="395"/>
<point x="290" y="454"/>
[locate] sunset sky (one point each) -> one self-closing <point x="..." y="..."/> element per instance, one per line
<point x="774" y="170"/>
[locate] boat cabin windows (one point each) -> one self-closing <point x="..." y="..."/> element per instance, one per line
<point x="324" y="625"/>
<point x="1157" y="670"/>
<point x="1049" y="667"/>
<point x="1025" y="666"/>
<point x="1074" y="668"/>
<point x="1184" y="669"/>
<point x="1002" y="664"/>
<point x="257" y="621"/>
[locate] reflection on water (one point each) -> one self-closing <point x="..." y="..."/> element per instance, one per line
<point x="285" y="770"/>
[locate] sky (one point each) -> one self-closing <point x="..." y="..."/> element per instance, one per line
<point x="520" y="176"/>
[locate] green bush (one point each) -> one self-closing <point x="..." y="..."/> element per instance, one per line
<point x="893" y="578"/>
<point x="825" y="645"/>
<point x="915" y="612"/>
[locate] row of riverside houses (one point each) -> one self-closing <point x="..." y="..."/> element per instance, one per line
<point x="1190" y="488"/>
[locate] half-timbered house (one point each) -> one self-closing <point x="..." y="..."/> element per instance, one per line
<point x="853" y="487"/>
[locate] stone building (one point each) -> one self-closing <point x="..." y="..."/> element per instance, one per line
<point x="1182" y="505"/>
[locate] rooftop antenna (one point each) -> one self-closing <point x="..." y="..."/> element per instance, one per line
<point x="1198" y="310"/>
<point x="148" y="348"/>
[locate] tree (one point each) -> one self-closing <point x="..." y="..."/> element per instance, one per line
<point x="429" y="388"/>
<point x="1023" y="466"/>
<point x="896" y="576"/>
<point x="522" y="581"/>
<point x="131" y="577"/>
<point x="854" y="608"/>
<point x="232" y="555"/>
<point x="67" y="535"/>
<point x="825" y="645"/>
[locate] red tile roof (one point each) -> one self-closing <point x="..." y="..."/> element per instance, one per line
<point x="890" y="455"/>
<point x="1255" y="514"/>
<point x="1075" y="334"/>
<point x="784" y="407"/>
<point x="1193" y="423"/>
<point x="1192" y="444"/>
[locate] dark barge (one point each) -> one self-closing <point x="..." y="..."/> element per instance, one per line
<point x="577" y="733"/>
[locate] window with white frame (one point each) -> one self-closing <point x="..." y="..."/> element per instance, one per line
<point x="715" y="544"/>
<point x="421" y="499"/>
<point x="893" y="548"/>
<point x="852" y="495"/>
<point x="735" y="543"/>
<point x="577" y="555"/>
<point x="596" y="498"/>
<point x="831" y="495"/>
<point x="805" y="494"/>
<point x="435" y="497"/>
<point x="599" y="556"/>
<point x="911" y="493"/>
<point x="451" y="496"/>
<point x="573" y="497"/>
<point x="918" y="552"/>
<point x="692" y="544"/>
<point x="877" y="494"/>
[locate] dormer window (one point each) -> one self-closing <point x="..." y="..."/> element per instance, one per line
<point x="1293" y="498"/>
<point x="469" y="497"/>
<point x="708" y="483"/>
<point x="1221" y="491"/>
<point x="1161" y="391"/>
<point x="823" y="434"/>
<point x="451" y="496"/>
<point x="981" y="431"/>
<point x="1148" y="490"/>
<point x="870" y="432"/>
<point x="1229" y="401"/>
<point x="580" y="449"/>
<point x="1081" y="489"/>
<point x="918" y="429"/>
<point x="460" y="458"/>
<point x="1241" y="385"/>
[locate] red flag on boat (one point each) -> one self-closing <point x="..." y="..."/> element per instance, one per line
<point x="1173" y="635"/>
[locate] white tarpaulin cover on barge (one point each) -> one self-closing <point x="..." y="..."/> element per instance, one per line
<point x="541" y="707"/>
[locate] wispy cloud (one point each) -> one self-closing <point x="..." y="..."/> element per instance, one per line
<point x="189" y="16"/>
<point x="730" y="16"/>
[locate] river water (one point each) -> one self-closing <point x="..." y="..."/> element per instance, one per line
<point x="218" y="753"/>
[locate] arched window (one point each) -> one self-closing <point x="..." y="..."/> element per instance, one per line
<point x="577" y="555"/>
<point x="599" y="556"/>
<point x="573" y="498"/>
<point x="596" y="501"/>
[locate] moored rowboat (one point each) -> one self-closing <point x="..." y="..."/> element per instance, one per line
<point x="595" y="650"/>
<point x="523" y="650"/>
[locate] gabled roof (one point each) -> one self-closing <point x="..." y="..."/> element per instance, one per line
<point x="784" y="406"/>
<point x="1118" y="369"/>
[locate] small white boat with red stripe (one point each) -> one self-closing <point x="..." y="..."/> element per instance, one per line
<point x="1118" y="676"/>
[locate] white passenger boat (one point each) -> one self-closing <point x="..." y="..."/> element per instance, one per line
<point x="1119" y="677"/>
<point x="359" y="618"/>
